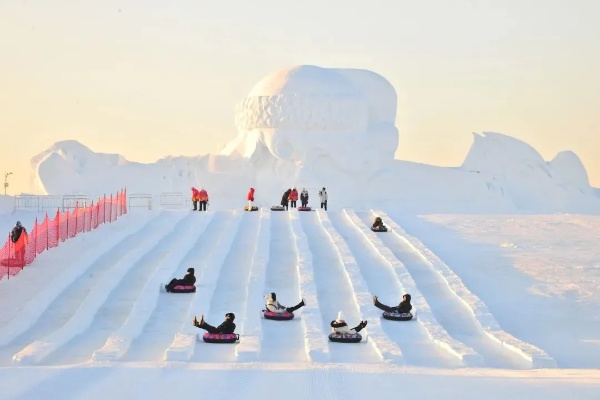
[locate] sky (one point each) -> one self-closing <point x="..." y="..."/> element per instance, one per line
<point x="148" y="79"/>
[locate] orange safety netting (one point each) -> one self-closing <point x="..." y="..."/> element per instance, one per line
<point x="65" y="225"/>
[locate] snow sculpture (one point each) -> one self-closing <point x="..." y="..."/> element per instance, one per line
<point x="318" y="120"/>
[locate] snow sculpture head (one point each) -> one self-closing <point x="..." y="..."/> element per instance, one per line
<point x="311" y="115"/>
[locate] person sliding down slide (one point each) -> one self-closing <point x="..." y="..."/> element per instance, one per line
<point x="402" y="308"/>
<point x="188" y="279"/>
<point x="340" y="325"/>
<point x="226" y="327"/>
<point x="273" y="305"/>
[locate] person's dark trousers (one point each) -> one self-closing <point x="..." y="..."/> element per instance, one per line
<point x="293" y="204"/>
<point x="297" y="306"/>
<point x="208" y="328"/>
<point x="324" y="205"/>
<point x="172" y="284"/>
<point x="203" y="205"/>
<point x="383" y="307"/>
<point x="195" y="204"/>
<point x="358" y="328"/>
<point x="304" y="203"/>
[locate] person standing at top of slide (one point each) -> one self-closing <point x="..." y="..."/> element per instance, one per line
<point x="250" y="198"/>
<point x="323" y="196"/>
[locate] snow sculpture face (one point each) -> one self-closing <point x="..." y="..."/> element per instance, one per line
<point x="309" y="115"/>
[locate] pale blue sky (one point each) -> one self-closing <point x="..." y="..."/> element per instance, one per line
<point x="152" y="78"/>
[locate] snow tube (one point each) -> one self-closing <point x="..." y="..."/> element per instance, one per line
<point x="278" y="208"/>
<point x="284" y="316"/>
<point x="220" y="337"/>
<point x="345" y="337"/>
<point x="184" y="289"/>
<point x="396" y="316"/>
<point x="384" y="229"/>
<point x="254" y="208"/>
<point x="304" y="208"/>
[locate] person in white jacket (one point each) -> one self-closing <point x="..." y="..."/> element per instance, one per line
<point x="340" y="325"/>
<point x="323" y="197"/>
<point x="273" y="305"/>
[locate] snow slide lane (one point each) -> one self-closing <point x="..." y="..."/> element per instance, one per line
<point x="230" y="291"/>
<point x="482" y="317"/>
<point x="248" y="349"/>
<point x="170" y="311"/>
<point x="283" y="341"/>
<point x="85" y="314"/>
<point x="316" y="342"/>
<point x="425" y="341"/>
<point x="183" y="345"/>
<point x="177" y="248"/>
<point x="335" y="291"/>
<point x="386" y="348"/>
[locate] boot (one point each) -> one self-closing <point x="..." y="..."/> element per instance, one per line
<point x="195" y="322"/>
<point x="375" y="299"/>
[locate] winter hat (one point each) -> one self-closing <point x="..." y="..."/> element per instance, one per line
<point x="190" y="271"/>
<point x="340" y="317"/>
<point x="18" y="224"/>
<point x="230" y="315"/>
<point x="407" y="297"/>
<point x="273" y="296"/>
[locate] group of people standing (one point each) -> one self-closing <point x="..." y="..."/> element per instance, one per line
<point x="290" y="197"/>
<point x="199" y="199"/>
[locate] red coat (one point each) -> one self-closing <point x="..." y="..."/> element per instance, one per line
<point x="294" y="195"/>
<point x="195" y="194"/>
<point x="250" y="196"/>
<point x="203" y="195"/>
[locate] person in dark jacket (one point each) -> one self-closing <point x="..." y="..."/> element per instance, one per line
<point x="188" y="279"/>
<point x="286" y="198"/>
<point x="17" y="231"/>
<point x="273" y="305"/>
<point x="226" y="327"/>
<point x="304" y="197"/>
<point x="340" y="325"/>
<point x="378" y="224"/>
<point x="402" y="308"/>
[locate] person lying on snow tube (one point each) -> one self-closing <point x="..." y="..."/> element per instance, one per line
<point x="274" y="310"/>
<point x="187" y="282"/>
<point x="341" y="332"/>
<point x="378" y="225"/>
<point x="226" y="326"/>
<point x="403" y="308"/>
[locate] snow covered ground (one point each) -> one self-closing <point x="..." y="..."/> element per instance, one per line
<point x="506" y="306"/>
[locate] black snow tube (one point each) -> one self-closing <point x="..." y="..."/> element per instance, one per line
<point x="383" y="229"/>
<point x="284" y="316"/>
<point x="278" y="208"/>
<point x="220" y="337"/>
<point x="396" y="316"/>
<point x="345" y="337"/>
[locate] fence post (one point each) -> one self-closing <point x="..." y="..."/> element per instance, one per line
<point x="110" y="208"/>
<point x="47" y="231"/>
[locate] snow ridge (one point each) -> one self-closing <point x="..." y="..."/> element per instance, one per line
<point x="387" y="349"/>
<point x="426" y="319"/>
<point x="534" y="355"/>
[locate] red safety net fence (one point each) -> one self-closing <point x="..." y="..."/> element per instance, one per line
<point x="51" y="232"/>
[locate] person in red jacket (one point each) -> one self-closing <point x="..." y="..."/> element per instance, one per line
<point x="250" y="198"/>
<point x="293" y="197"/>
<point x="195" y="198"/>
<point x="203" y="199"/>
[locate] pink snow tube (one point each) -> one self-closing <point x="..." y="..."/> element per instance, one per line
<point x="284" y="316"/>
<point x="220" y="337"/>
